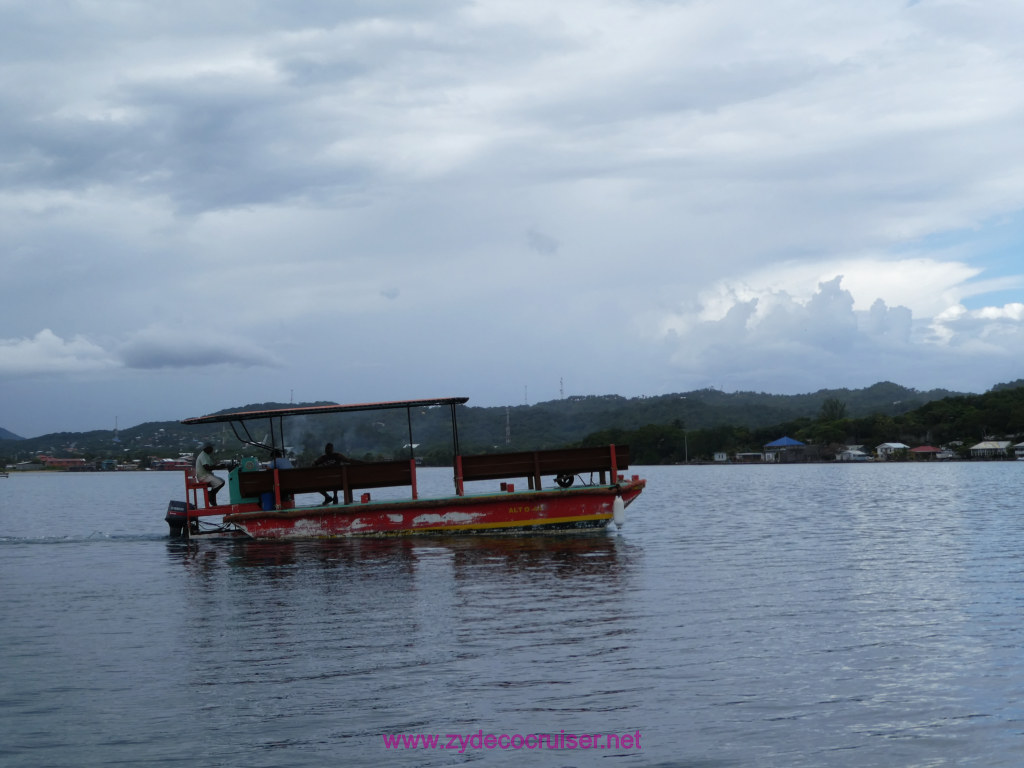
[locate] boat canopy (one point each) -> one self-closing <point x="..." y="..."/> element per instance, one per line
<point x="237" y="419"/>
<point x="313" y="410"/>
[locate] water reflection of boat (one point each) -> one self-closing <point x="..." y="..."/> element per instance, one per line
<point x="566" y="555"/>
<point x="557" y="496"/>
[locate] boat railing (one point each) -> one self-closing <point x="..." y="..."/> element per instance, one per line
<point x="533" y="465"/>
<point x="254" y="484"/>
<point x="347" y="478"/>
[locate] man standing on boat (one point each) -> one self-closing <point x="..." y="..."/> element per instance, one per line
<point x="204" y="472"/>
<point x="332" y="459"/>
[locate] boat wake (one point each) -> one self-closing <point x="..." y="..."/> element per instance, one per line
<point x="95" y="536"/>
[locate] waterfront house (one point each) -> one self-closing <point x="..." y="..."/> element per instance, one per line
<point x="990" y="449"/>
<point x="886" y="451"/>
<point x="785" y="449"/>
<point x="51" y="462"/>
<point x="749" y="457"/>
<point x="851" y="453"/>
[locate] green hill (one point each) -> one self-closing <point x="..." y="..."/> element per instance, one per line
<point x="724" y="420"/>
<point x="957" y="421"/>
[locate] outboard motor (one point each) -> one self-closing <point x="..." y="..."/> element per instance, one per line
<point x="177" y="517"/>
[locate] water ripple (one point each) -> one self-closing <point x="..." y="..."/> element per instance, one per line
<point x="769" y="616"/>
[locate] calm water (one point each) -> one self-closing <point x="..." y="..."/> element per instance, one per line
<point x="746" y="616"/>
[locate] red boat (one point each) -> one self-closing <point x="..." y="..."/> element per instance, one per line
<point x="570" y="489"/>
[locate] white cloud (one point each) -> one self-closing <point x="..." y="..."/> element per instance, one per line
<point x="998" y="330"/>
<point x="927" y="286"/>
<point x="46" y="353"/>
<point x="770" y="336"/>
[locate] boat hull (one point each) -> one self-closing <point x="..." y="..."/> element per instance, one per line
<point x="517" y="512"/>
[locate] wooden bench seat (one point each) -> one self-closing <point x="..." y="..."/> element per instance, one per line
<point x="531" y="465"/>
<point x="347" y="478"/>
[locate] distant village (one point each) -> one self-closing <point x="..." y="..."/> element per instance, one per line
<point x="786" y="450"/>
<point x="45" y="462"/>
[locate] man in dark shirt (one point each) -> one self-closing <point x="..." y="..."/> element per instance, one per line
<point x="331" y="458"/>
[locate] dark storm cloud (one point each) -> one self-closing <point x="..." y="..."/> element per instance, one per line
<point x="166" y="349"/>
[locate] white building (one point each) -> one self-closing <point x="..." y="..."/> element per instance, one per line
<point x="990" y="449"/>
<point x="885" y="451"/>
<point x="853" y="454"/>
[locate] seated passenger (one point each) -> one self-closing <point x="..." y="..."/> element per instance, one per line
<point x="331" y="458"/>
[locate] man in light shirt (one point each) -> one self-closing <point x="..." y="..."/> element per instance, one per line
<point x="204" y="472"/>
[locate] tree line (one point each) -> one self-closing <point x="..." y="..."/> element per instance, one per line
<point x="959" y="421"/>
<point x="668" y="428"/>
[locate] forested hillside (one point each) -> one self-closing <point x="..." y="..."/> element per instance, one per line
<point x="667" y="428"/>
<point x="958" y="421"/>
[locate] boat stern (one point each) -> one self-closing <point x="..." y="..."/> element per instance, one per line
<point x="177" y="517"/>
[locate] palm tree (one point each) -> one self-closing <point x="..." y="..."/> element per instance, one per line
<point x="833" y="409"/>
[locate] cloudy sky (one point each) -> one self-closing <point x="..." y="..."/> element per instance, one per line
<point x="210" y="204"/>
